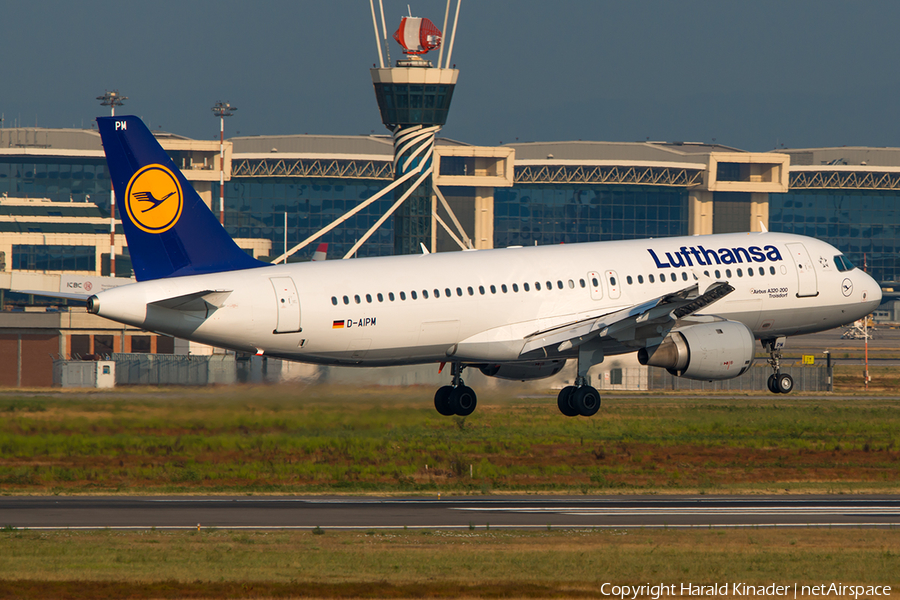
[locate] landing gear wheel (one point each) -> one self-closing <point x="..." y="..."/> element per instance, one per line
<point x="442" y="400"/>
<point x="463" y="400"/>
<point x="564" y="401"/>
<point x="772" y="384"/>
<point x="785" y="383"/>
<point x="586" y="400"/>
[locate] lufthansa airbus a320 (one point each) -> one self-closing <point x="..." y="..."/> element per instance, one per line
<point x="692" y="305"/>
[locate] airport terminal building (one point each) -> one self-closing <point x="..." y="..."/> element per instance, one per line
<point x="280" y="190"/>
<point x="55" y="199"/>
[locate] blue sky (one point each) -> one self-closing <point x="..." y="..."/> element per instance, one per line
<point x="754" y="75"/>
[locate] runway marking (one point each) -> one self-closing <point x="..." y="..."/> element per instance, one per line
<point x="577" y="527"/>
<point x="619" y="512"/>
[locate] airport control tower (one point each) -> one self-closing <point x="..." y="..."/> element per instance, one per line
<point x="414" y="99"/>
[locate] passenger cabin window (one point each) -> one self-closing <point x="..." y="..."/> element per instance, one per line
<point x="437" y="293"/>
<point x="447" y="292"/>
<point x="380" y="297"/>
<point x="356" y="298"/>
<point x="459" y="291"/>
<point x="526" y="287"/>
<point x="684" y="276"/>
<point x="559" y="283"/>
<point x="582" y="282"/>
<point x="727" y="272"/>
<point x="594" y="282"/>
<point x="515" y="287"/>
<point x="403" y="295"/>
<point x="369" y="298"/>
<point x="772" y="270"/>
<point x="334" y="300"/>
<point x="537" y="285"/>
<point x="640" y="279"/>
<point x="412" y="295"/>
<point x="503" y="287"/>
<point x="629" y="279"/>
<point x="470" y="290"/>
<point x="493" y="289"/>
<point x="571" y="285"/>
<point x="391" y="296"/>
<point x="481" y="290"/>
<point x="740" y="273"/>
<point x="346" y="300"/>
<point x="651" y="279"/>
<point x="425" y="294"/>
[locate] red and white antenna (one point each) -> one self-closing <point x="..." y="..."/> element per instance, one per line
<point x="417" y="35"/>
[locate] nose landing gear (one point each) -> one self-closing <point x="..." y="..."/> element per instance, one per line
<point x="778" y="382"/>
<point x="457" y="398"/>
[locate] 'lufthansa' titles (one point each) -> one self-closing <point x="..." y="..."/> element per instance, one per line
<point x="702" y="257"/>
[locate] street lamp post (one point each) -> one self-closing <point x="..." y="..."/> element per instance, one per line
<point x="112" y="99"/>
<point x="222" y="110"/>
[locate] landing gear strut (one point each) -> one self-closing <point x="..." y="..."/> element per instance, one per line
<point x="778" y="382"/>
<point x="581" y="398"/>
<point x="457" y="398"/>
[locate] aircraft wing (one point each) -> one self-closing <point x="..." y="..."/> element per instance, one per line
<point x="622" y="325"/>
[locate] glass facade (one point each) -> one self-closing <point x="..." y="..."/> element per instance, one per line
<point x="555" y="214"/>
<point x="862" y="224"/>
<point x="53" y="258"/>
<point x="58" y="179"/>
<point x="413" y="104"/>
<point x="255" y="208"/>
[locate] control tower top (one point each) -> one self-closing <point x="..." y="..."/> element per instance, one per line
<point x="414" y="92"/>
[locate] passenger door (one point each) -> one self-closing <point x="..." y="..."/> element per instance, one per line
<point x="806" y="274"/>
<point x="288" y="305"/>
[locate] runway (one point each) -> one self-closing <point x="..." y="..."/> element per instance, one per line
<point x="520" y="512"/>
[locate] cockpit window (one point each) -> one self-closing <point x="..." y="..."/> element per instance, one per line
<point x="843" y="263"/>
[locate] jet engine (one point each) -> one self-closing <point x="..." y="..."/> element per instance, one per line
<point x="524" y="371"/>
<point x="705" y="351"/>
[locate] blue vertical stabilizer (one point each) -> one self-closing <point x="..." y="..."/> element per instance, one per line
<point x="170" y="231"/>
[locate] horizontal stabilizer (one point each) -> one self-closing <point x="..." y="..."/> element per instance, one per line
<point x="205" y="302"/>
<point x="66" y="295"/>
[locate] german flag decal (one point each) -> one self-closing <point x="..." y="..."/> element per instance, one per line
<point x="337" y="325"/>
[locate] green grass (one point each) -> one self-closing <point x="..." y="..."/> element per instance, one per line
<point x="432" y="563"/>
<point x="390" y="440"/>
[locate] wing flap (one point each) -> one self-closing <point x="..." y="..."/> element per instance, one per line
<point x="621" y="325"/>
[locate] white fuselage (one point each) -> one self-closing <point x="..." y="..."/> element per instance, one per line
<point x="452" y="306"/>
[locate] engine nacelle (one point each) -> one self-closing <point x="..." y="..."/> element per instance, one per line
<point x="720" y="350"/>
<point x="524" y="371"/>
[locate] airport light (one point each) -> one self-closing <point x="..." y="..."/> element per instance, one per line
<point x="112" y="100"/>
<point x="222" y="110"/>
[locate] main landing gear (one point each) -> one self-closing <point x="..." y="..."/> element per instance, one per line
<point x="581" y="398"/>
<point x="457" y="398"/>
<point x="778" y="382"/>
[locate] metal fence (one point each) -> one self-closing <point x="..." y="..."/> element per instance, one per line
<point x="807" y="378"/>
<point x="174" y="369"/>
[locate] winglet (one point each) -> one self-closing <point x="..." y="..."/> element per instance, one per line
<point x="170" y="231"/>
